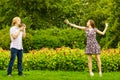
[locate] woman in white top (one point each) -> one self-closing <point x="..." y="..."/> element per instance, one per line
<point x="16" y="48"/>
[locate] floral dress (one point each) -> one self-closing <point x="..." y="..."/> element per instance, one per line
<point x="92" y="46"/>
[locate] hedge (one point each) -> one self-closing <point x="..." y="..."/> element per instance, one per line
<point x="50" y="38"/>
<point x="5" y="40"/>
<point x="63" y="58"/>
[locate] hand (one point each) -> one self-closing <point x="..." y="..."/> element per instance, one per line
<point x="66" y="21"/>
<point x="21" y="29"/>
<point x="24" y="26"/>
<point x="106" y="24"/>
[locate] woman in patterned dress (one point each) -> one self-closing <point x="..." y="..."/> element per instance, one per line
<point x="92" y="46"/>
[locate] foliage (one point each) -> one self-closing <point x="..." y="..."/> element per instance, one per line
<point x="51" y="38"/>
<point x="63" y="58"/>
<point x="54" y="38"/>
<point x="28" y="42"/>
<point x="5" y="40"/>
<point x="43" y="14"/>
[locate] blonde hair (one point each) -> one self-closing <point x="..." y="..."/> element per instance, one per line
<point x="14" y="20"/>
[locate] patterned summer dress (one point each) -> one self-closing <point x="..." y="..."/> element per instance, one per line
<point x="92" y="46"/>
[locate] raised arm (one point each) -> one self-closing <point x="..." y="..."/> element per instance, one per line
<point x="102" y="33"/>
<point x="24" y="30"/>
<point x="74" y="25"/>
<point x="24" y="33"/>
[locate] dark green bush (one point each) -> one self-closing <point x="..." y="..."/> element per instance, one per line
<point x="27" y="42"/>
<point x="51" y="38"/>
<point x="5" y="40"/>
<point x="54" y="38"/>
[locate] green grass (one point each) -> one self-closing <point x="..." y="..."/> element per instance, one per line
<point x="59" y="75"/>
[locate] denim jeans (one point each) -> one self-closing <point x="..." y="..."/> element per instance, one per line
<point x="19" y="54"/>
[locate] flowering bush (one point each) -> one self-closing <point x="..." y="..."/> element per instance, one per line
<point x="63" y="58"/>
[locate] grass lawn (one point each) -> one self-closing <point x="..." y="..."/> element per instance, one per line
<point x="59" y="75"/>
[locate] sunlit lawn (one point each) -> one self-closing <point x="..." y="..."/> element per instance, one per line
<point x="59" y="75"/>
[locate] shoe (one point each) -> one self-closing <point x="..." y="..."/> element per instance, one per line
<point x="91" y="74"/>
<point x="21" y="75"/>
<point x="9" y="75"/>
<point x="100" y="74"/>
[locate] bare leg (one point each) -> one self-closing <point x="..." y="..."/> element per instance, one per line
<point x="90" y="64"/>
<point x="99" y="63"/>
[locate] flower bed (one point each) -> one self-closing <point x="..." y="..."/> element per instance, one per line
<point x="63" y="58"/>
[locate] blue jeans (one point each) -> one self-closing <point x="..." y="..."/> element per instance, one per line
<point x="19" y="54"/>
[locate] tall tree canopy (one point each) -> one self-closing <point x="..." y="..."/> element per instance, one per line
<point x="42" y="14"/>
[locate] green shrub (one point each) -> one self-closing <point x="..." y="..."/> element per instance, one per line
<point x="51" y="38"/>
<point x="54" y="38"/>
<point x="5" y="40"/>
<point x="27" y="42"/>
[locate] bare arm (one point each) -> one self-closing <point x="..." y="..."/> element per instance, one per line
<point x="74" y="25"/>
<point x="103" y="32"/>
<point x="24" y="30"/>
<point x="24" y="33"/>
<point x="16" y="34"/>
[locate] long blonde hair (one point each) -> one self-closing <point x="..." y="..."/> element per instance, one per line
<point x="14" y="20"/>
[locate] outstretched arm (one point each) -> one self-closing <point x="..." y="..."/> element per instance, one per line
<point x="102" y="33"/>
<point x="74" y="25"/>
